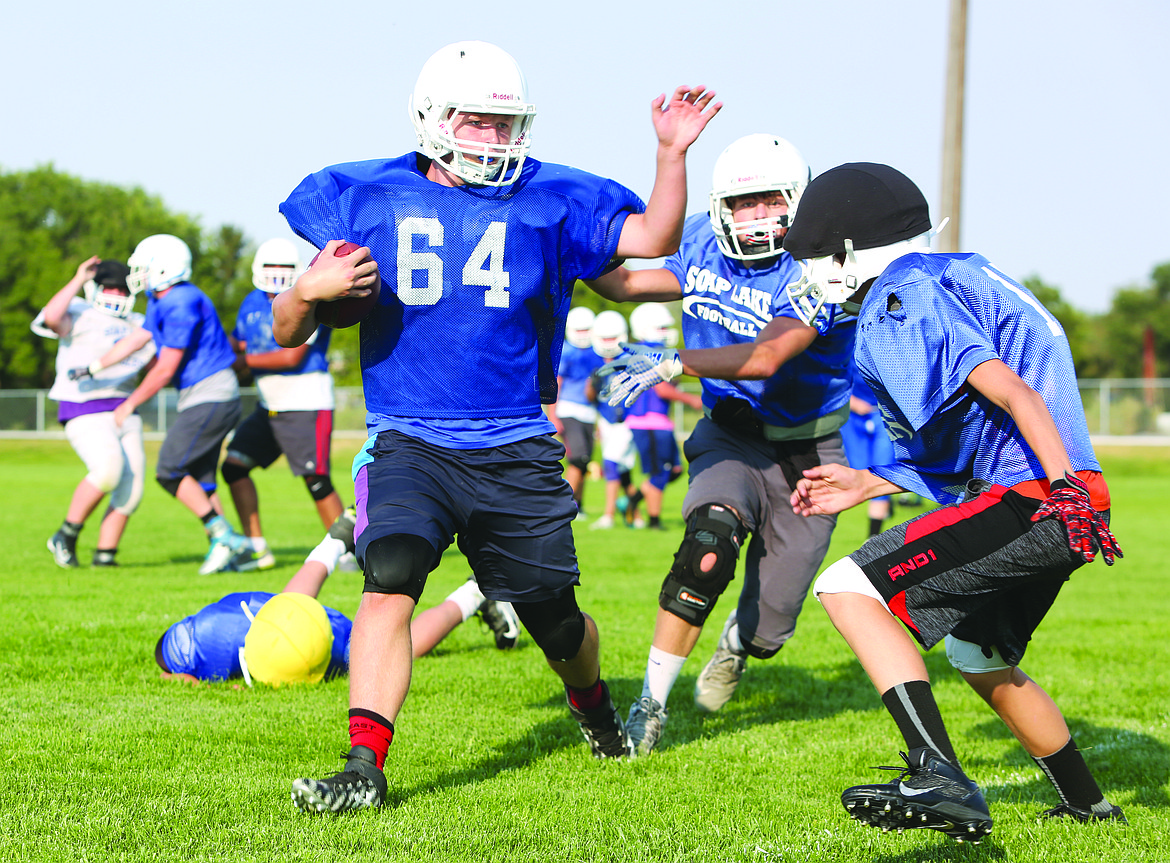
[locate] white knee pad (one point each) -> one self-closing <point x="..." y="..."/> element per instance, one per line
<point x="845" y="576"/>
<point x="969" y="657"/>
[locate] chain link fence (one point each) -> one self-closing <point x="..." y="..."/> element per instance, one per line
<point x="1133" y="411"/>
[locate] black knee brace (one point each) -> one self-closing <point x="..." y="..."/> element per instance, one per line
<point x="556" y="625"/>
<point x="320" y="485"/>
<point x="580" y="462"/>
<point x="398" y="564"/>
<point x="688" y="592"/>
<point x="170" y="484"/>
<point x="232" y="471"/>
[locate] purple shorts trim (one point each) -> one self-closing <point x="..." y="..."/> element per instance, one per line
<point x="72" y="410"/>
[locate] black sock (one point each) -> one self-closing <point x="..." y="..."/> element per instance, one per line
<point x="635" y="499"/>
<point x="875" y="526"/>
<point x="211" y="513"/>
<point x="655" y="520"/>
<point x="104" y="556"/>
<point x="915" y="712"/>
<point x="70" y="529"/>
<point x="1069" y="774"/>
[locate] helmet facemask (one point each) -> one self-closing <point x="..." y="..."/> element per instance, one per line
<point x="118" y="305"/>
<point x="276" y="266"/>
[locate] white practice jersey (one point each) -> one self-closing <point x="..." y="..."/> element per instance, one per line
<point x="93" y="333"/>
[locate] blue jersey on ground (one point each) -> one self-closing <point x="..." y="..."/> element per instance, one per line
<point x="577" y="365"/>
<point x="926" y="323"/>
<point x="254" y="328"/>
<point x="726" y="302"/>
<point x="184" y="318"/>
<point x="464" y="344"/>
<point x="207" y="644"/>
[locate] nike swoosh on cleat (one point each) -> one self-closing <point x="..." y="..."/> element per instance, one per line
<point x="907" y="791"/>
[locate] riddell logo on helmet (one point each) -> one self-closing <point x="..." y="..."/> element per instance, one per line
<point x="916" y="562"/>
<point x="504" y="97"/>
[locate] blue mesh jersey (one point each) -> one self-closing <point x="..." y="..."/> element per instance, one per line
<point x="476" y="284"/>
<point x="254" y="328"/>
<point x="726" y="302"/>
<point x="576" y="366"/>
<point x="926" y="323"/>
<point x="184" y="318"/>
<point x="207" y="644"/>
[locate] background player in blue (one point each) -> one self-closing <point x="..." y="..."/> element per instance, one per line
<point x="866" y="442"/>
<point x="649" y="419"/>
<point x="574" y="414"/>
<point x="295" y="414"/>
<point x="195" y="357"/>
<point x="976" y="383"/>
<point x="478" y="247"/>
<point x="775" y="394"/>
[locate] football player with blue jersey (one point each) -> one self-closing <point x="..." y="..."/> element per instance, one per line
<point x="574" y="414"/>
<point x="775" y="395"/>
<point x="478" y="247"/>
<point x="113" y="454"/>
<point x="295" y="415"/>
<point x="195" y="357"/>
<point x="975" y="381"/>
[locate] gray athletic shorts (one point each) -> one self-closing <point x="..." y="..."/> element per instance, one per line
<point x="786" y="550"/>
<point x="303" y="437"/>
<point x="193" y="442"/>
<point x="980" y="570"/>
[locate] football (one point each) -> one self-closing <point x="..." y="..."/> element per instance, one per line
<point x="346" y="311"/>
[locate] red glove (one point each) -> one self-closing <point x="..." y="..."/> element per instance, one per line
<point x="1070" y="501"/>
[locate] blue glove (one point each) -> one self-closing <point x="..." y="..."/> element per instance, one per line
<point x="636" y="369"/>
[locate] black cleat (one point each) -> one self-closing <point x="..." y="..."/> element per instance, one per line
<point x="503" y="621"/>
<point x="343" y="528"/>
<point x="930" y="793"/>
<point x="1064" y="810"/>
<point x="64" y="550"/>
<point x="603" y="729"/>
<point x="361" y="785"/>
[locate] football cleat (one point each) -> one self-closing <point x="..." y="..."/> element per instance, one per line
<point x="644" y="725"/>
<point x="248" y="560"/>
<point x="720" y="676"/>
<point x="361" y="785"/>
<point x="602" y="728"/>
<point x="604" y="522"/>
<point x="503" y="621"/>
<point x="343" y="528"/>
<point x="64" y="551"/>
<point x="931" y="793"/>
<point x="222" y="552"/>
<point x="1064" y="810"/>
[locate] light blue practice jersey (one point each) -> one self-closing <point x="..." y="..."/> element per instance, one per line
<point x="465" y="342"/>
<point x="184" y="318"/>
<point x="926" y="323"/>
<point x="726" y="302"/>
<point x="577" y="365"/>
<point x="254" y="328"/>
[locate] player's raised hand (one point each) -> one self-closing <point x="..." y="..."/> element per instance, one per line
<point x="87" y="269"/>
<point x="1088" y="533"/>
<point x="827" y="489"/>
<point x="679" y="121"/>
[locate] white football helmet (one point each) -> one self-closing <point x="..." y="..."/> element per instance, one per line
<point x="754" y="164"/>
<point x="609" y="331"/>
<point x="855" y="220"/>
<point x="653" y="323"/>
<point x="276" y="265"/>
<point x="159" y="261"/>
<point x="579" y="326"/>
<point x="472" y="78"/>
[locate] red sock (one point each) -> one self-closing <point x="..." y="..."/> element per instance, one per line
<point x="367" y="728"/>
<point x="587" y="699"/>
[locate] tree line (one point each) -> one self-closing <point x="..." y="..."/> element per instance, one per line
<point x="51" y="221"/>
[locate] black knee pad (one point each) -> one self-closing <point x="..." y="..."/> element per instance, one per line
<point x="580" y="462"/>
<point x="170" y="485"/>
<point x="231" y="471"/>
<point x="398" y="564"/>
<point x="688" y="592"/>
<point x="556" y="625"/>
<point x="320" y="485"/>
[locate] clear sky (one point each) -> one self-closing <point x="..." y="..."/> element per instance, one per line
<point x="220" y="108"/>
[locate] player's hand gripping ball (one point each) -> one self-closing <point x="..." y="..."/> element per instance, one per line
<point x="289" y="641"/>
<point x="345" y="311"/>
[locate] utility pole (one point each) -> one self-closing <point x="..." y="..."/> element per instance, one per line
<point x="951" y="204"/>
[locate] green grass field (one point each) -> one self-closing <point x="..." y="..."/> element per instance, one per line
<point x="102" y="760"/>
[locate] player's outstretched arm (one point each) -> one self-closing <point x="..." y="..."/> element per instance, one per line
<point x="832" y="488"/>
<point x="621" y="285"/>
<point x="327" y="278"/>
<point x="781" y="340"/>
<point x="657" y="232"/>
